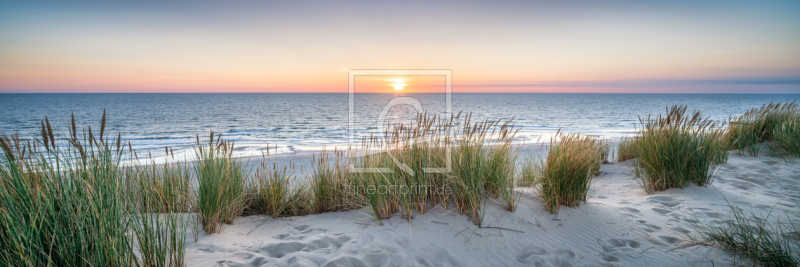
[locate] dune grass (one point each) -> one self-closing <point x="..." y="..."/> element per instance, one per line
<point x="403" y="154"/>
<point x="162" y="188"/>
<point x="759" y="125"/>
<point x="625" y="149"/>
<point x="571" y="162"/>
<point x="160" y="199"/>
<point x="66" y="203"/>
<point x="160" y="196"/>
<point x="502" y="163"/>
<point x="469" y="179"/>
<point x="160" y="237"/>
<point x="62" y="207"/>
<point x="749" y="235"/>
<point x="374" y="188"/>
<point x="676" y="149"/>
<point x="277" y="191"/>
<point x="530" y="171"/>
<point x="328" y="183"/>
<point x="271" y="190"/>
<point x="787" y="137"/>
<point x="414" y="161"/>
<point x="222" y="183"/>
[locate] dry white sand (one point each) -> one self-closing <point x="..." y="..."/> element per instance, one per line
<point x="620" y="225"/>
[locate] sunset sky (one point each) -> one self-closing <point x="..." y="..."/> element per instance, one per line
<point x="490" y="46"/>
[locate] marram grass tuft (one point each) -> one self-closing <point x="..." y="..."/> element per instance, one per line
<point x="571" y="162"/>
<point x="759" y="125"/>
<point x="675" y="149"/>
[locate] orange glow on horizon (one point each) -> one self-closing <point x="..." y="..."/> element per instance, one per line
<point x="400" y="84"/>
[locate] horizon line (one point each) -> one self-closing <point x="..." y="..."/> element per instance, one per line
<point x="609" y="93"/>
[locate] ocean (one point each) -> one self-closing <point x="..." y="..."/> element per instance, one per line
<point x="309" y="122"/>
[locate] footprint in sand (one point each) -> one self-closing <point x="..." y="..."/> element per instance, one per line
<point x="435" y="256"/>
<point x="662" y="211"/>
<point x="649" y="227"/>
<point x="244" y="259"/>
<point x="669" y="240"/>
<point x="331" y="250"/>
<point x="630" y="210"/>
<point x="243" y="256"/>
<point x="344" y="261"/>
<point x="280" y="250"/>
<point x="305" y="229"/>
<point x="282" y="236"/>
<point x="530" y="254"/>
<point x="666" y="201"/>
<point x="538" y="256"/>
<point x="300" y="249"/>
<point x="614" y="249"/>
<point x="300" y="261"/>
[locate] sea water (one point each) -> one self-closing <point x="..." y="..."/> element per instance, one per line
<point x="289" y="123"/>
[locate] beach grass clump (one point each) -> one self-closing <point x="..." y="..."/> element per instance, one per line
<point x="68" y="202"/>
<point x="276" y="192"/>
<point x="398" y="182"/>
<point x="300" y="200"/>
<point x="160" y="198"/>
<point x="401" y="179"/>
<point x="571" y="162"/>
<point x="747" y="235"/>
<point x="62" y="205"/>
<point x="531" y="170"/>
<point x="222" y="183"/>
<point x="676" y="149"/>
<point x="625" y="149"/>
<point x="329" y="182"/>
<point x="410" y="167"/>
<point x="787" y="137"/>
<point x="746" y="132"/>
<point x="271" y="190"/>
<point x="165" y="187"/>
<point x="158" y="215"/>
<point x="483" y="167"/>
<point x="502" y="163"/>
<point x="160" y="238"/>
<point x="373" y="188"/>
<point x="468" y="180"/>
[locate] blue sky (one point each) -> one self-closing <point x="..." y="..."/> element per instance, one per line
<point x="491" y="46"/>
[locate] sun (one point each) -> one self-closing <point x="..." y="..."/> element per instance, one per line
<point x="398" y="84"/>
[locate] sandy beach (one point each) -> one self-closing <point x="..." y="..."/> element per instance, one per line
<point x="619" y="225"/>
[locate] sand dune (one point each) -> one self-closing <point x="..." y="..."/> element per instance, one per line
<point x="620" y="225"/>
